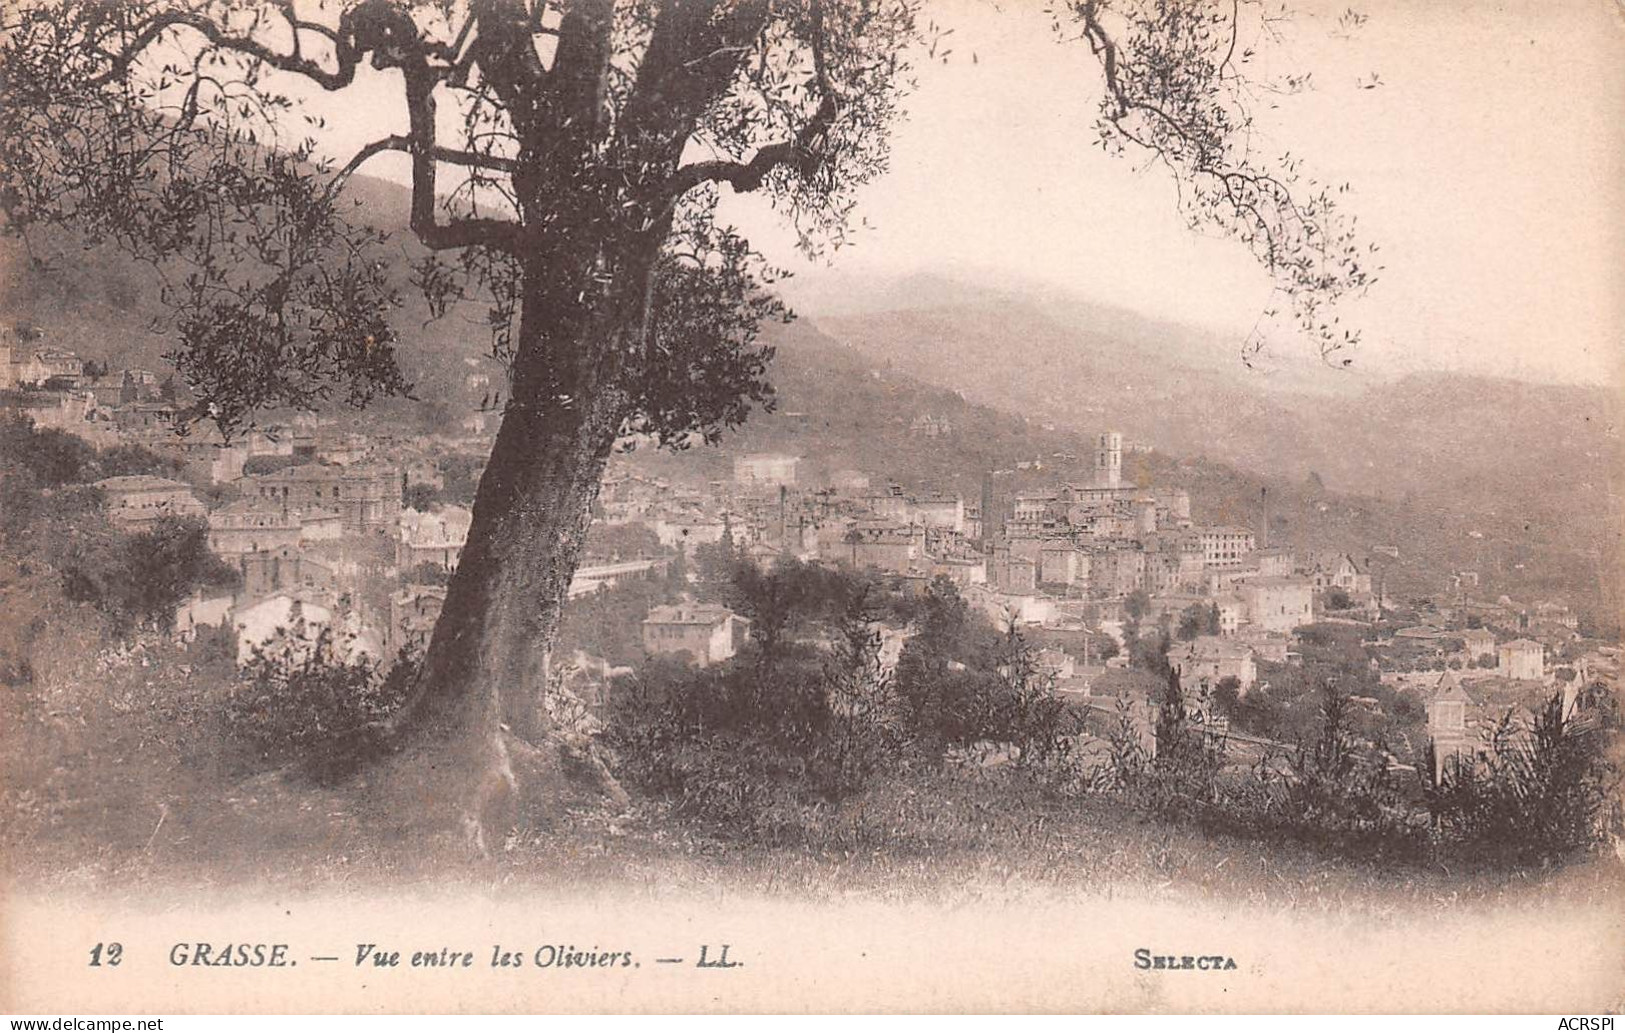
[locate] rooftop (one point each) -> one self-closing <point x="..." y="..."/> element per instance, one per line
<point x="140" y="482"/>
<point x="1419" y="632"/>
<point x="1449" y="689"/>
<point x="1278" y="582"/>
<point x="707" y="614"/>
<point x="1213" y="647"/>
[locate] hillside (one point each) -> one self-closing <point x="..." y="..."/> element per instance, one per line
<point x="96" y="301"/>
<point x="836" y="409"/>
<point x="1519" y="473"/>
<point x="1181" y="389"/>
<point x="1516" y="480"/>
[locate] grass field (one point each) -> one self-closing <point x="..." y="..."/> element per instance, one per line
<point x="947" y="837"/>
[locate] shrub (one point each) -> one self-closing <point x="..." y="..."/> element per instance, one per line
<point x="1025" y="710"/>
<point x="767" y="745"/>
<point x="1125" y="764"/>
<point x="427" y="574"/>
<point x="1539" y="793"/>
<point x="300" y="700"/>
<point x="864" y="730"/>
<point x="1338" y="783"/>
<point x="1189" y="750"/>
<point x="136" y="579"/>
<point x="746" y="757"/>
<point x="1227" y="695"/>
<point x="104" y="741"/>
<point x="607" y="623"/>
<point x="420" y="497"/>
<point x="1333" y="789"/>
<point x="54" y="458"/>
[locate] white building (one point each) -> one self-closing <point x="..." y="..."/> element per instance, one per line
<point x="1278" y="604"/>
<point x="436" y="537"/>
<point x="1225" y="548"/>
<point x="765" y="470"/>
<point x="1521" y="660"/>
<point x="707" y="632"/>
<point x="684" y="534"/>
<point x="201" y="611"/>
<point x="291" y="627"/>
<point x="280" y="619"/>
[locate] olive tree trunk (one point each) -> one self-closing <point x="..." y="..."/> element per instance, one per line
<point x="475" y="744"/>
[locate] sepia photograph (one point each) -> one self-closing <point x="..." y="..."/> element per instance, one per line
<point x="811" y="506"/>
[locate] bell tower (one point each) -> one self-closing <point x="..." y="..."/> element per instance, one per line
<point x="1109" y="460"/>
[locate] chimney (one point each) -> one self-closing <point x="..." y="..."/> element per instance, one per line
<point x="987" y="511"/>
<point x="1264" y="532"/>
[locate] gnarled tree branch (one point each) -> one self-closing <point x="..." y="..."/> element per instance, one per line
<point x="403" y="144"/>
<point x="800" y="151"/>
<point x="501" y="234"/>
<point x="346" y="55"/>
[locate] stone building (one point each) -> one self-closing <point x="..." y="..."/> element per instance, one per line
<point x="413" y="612"/>
<point x="141" y="500"/>
<point x="367" y="496"/>
<point x="1209" y="659"/>
<point x="1277" y="605"/>
<point x="1521" y="660"/>
<point x="1452" y="722"/>
<point x="708" y="633"/>
<point x="1226" y="547"/>
<point x="254" y="525"/>
<point x="435" y="538"/>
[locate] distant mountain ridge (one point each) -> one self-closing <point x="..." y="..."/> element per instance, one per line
<point x="1163" y="385"/>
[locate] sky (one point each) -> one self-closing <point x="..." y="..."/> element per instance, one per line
<point x="1488" y="163"/>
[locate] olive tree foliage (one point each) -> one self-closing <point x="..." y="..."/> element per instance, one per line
<point x="167" y="127"/>
<point x="170" y="129"/>
<point x="1178" y="88"/>
<point x="566" y="162"/>
<point x="277" y="298"/>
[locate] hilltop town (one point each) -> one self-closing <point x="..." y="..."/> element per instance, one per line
<point x="357" y="534"/>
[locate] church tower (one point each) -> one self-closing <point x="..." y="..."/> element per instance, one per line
<point x="1109" y="460"/>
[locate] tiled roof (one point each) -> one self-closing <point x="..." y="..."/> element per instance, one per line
<point x="693" y="613"/>
<point x="139" y="482"/>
